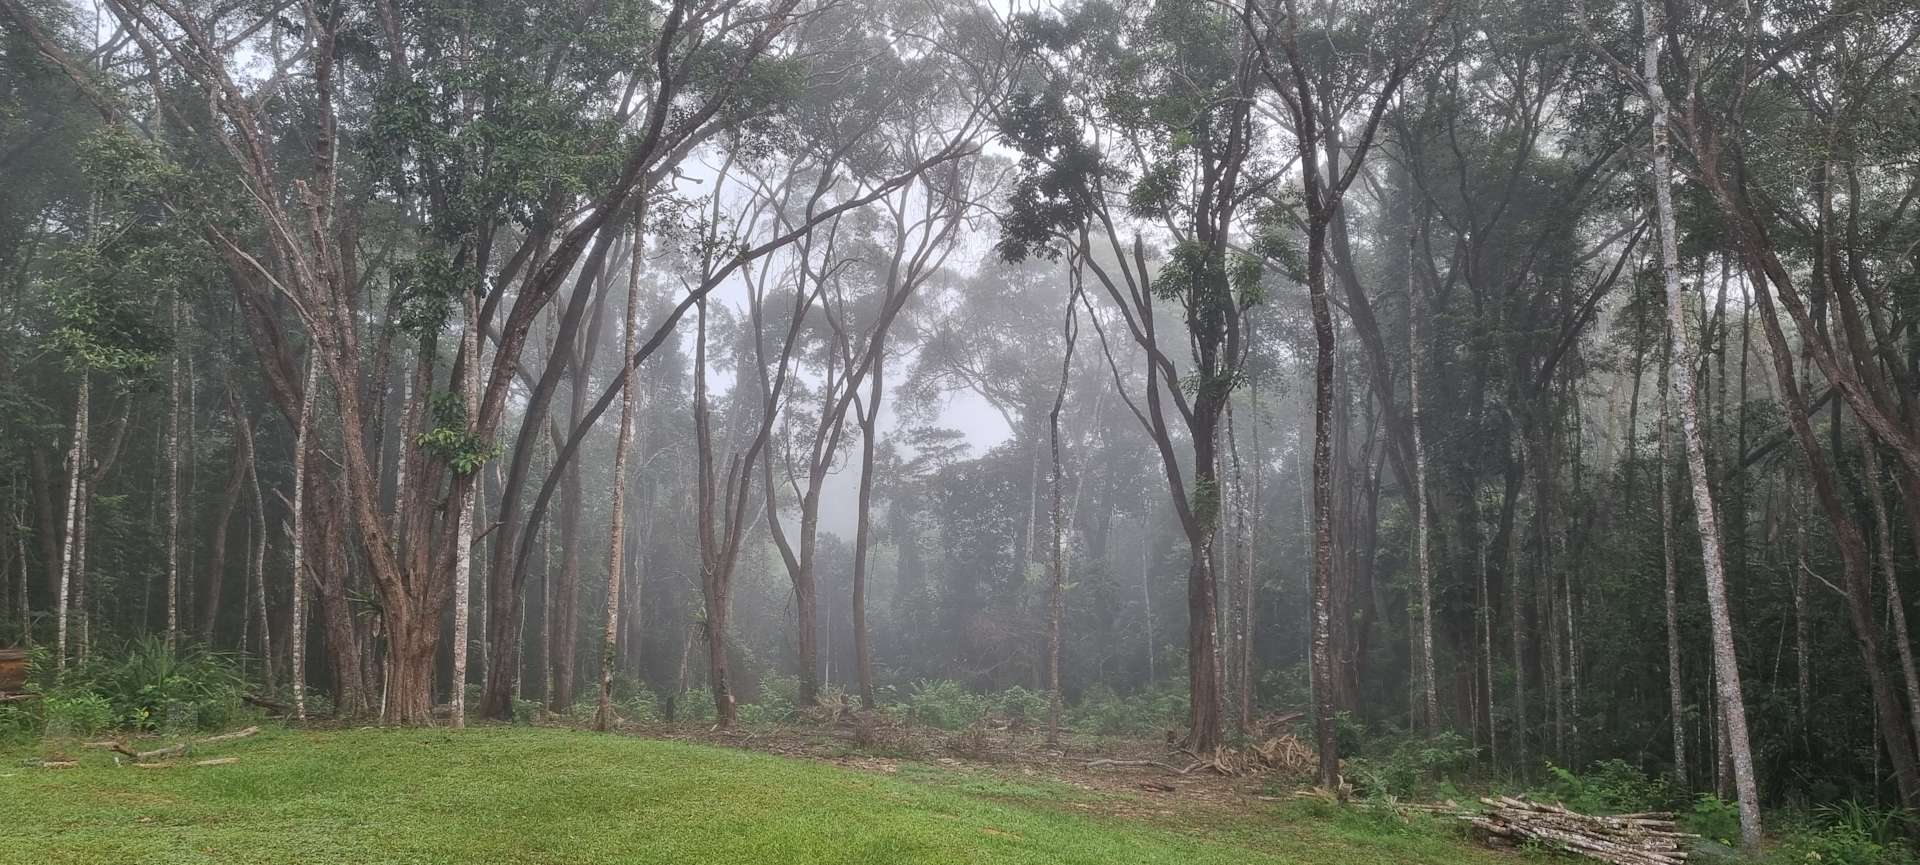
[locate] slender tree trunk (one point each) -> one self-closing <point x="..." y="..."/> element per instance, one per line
<point x="1240" y="587"/>
<point x="1250" y="513"/>
<point x="1486" y="650"/>
<point x="1516" y="604"/>
<point x="1057" y="556"/>
<point x="76" y="457"/>
<point x="1676" y="703"/>
<point x="217" y="556"/>
<point x="863" y="529"/>
<point x="1682" y="365"/>
<point x="256" y="579"/>
<point x="1321" y="653"/>
<point x="1802" y="623"/>
<point x="173" y="491"/>
<point x="83" y="641"/>
<point x="617" y="533"/>
<point x="563" y="610"/>
<point x="24" y="605"/>
<point x="1146" y="591"/>
<point x="463" y="522"/>
<point x="1422" y="546"/>
<point x="47" y="489"/>
<point x="297" y="625"/>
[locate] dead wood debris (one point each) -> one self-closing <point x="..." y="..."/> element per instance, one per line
<point x="1625" y="839"/>
<point x="153" y="757"/>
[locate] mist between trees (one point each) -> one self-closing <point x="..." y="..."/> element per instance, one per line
<point x="1542" y="374"/>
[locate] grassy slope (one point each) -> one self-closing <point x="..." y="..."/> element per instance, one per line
<point x="554" y="796"/>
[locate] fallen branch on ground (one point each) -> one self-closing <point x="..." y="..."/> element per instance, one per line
<point x="179" y="750"/>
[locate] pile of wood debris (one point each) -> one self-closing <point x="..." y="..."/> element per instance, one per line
<point x="1623" y="839"/>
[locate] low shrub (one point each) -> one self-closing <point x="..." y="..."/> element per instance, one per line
<point x="778" y="695"/>
<point x="19" y="721"/>
<point x="1714" y="819"/>
<point x="1609" y="787"/>
<point x="152" y="687"/>
<point x="1410" y="766"/>
<point x="1847" y="833"/>
<point x="641" y="707"/>
<point x="943" y="703"/>
<point x="1104" y="712"/>
<point x="1022" y="708"/>
<point x="77" y="713"/>
<point x="692" y="706"/>
<point x="1838" y="844"/>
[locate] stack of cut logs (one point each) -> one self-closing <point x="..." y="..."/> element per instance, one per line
<point x="1623" y="839"/>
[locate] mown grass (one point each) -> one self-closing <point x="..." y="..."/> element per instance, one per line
<point x="520" y="795"/>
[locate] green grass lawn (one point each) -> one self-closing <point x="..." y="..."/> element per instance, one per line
<point x="521" y="795"/>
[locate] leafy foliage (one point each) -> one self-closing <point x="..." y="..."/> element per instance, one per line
<point x="1609" y="787"/>
<point x="452" y="440"/>
<point x="150" y="687"/>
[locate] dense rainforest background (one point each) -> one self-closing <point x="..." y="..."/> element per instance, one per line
<point x="1529" y="384"/>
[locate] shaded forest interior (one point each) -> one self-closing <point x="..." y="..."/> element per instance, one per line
<point x="1535" y="383"/>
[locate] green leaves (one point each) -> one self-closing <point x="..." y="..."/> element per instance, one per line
<point x="450" y="440"/>
<point x="429" y="285"/>
<point x="1156" y="192"/>
<point x="132" y="256"/>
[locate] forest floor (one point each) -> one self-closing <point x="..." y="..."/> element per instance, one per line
<point x="554" y="795"/>
<point x="1115" y="775"/>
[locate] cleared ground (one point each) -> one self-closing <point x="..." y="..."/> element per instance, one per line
<point x="527" y="795"/>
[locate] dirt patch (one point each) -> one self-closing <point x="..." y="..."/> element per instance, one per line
<point x="1127" y="777"/>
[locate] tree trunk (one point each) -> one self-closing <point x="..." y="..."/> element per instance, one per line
<point x="463" y="522"/>
<point x="617" y="533"/>
<point x="1485" y="612"/>
<point x="1057" y="557"/>
<point x="1249" y="591"/>
<point x="1422" y="550"/>
<point x="47" y="520"/>
<point x="256" y="577"/>
<point x="1802" y="622"/>
<point x="23" y="607"/>
<point x="1321" y="652"/>
<point x="217" y="555"/>
<point x="297" y="626"/>
<point x="76" y="457"/>
<point x="863" y="529"/>
<point x="1676" y="704"/>
<point x="173" y="491"/>
<point x="1681" y="364"/>
<point x="83" y="641"/>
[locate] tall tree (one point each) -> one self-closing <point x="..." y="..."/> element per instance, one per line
<point x="616" y="533"/>
<point x="1303" y="87"/>
<point x="1682" y="362"/>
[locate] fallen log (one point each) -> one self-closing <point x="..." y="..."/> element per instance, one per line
<point x="179" y="750"/>
<point x="1649" y="838"/>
